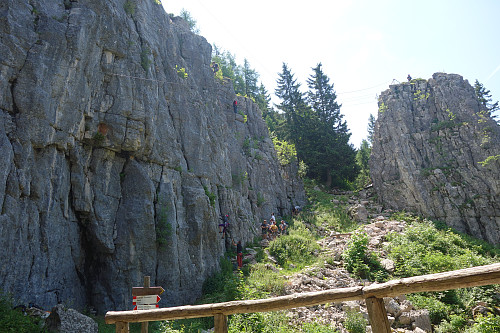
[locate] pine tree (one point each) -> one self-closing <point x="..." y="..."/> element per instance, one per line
<point x="190" y="20"/>
<point x="292" y="104"/>
<point x="371" y="128"/>
<point x="250" y="77"/>
<point x="484" y="97"/>
<point x="330" y="156"/>
<point x="263" y="99"/>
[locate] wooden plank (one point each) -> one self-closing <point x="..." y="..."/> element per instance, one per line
<point x="220" y="323"/>
<point x="475" y="276"/>
<point x="140" y="291"/>
<point x="463" y="278"/>
<point x="122" y="327"/>
<point x="378" y="315"/>
<point x="262" y="305"/>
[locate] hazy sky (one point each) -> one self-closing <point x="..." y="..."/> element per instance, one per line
<point x="363" y="45"/>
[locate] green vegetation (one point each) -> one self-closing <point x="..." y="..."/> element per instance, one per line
<point x="355" y="322"/>
<point x="98" y="139"/>
<point x="427" y="247"/>
<point x="286" y="151"/>
<point x="382" y="107"/>
<point x="211" y="196"/>
<point x="299" y="246"/>
<point x="360" y="262"/>
<point x="14" y="320"/>
<point x="181" y="72"/>
<point x="129" y="6"/>
<point x="190" y="21"/>
<point x="489" y="159"/>
<point x="313" y="123"/>
<point x="260" y="199"/>
<point x="145" y="61"/>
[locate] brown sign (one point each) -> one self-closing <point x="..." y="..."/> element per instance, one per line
<point x="143" y="291"/>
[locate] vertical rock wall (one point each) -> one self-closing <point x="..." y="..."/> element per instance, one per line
<point x="114" y="165"/>
<point x="431" y="141"/>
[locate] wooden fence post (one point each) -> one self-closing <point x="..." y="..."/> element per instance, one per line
<point x="122" y="327"/>
<point x="147" y="284"/>
<point x="220" y="323"/>
<point x="377" y="315"/>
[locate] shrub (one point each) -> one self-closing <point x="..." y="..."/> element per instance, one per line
<point x="423" y="249"/>
<point x="14" y="320"/>
<point x="211" y="196"/>
<point x="438" y="310"/>
<point x="456" y="323"/>
<point x="262" y="279"/>
<point x="359" y="261"/>
<point x="355" y="322"/>
<point x="318" y="328"/>
<point x="293" y="247"/>
<point x="181" y="72"/>
<point x="488" y="324"/>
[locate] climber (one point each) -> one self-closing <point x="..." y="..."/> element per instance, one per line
<point x="224" y="219"/>
<point x="409" y="78"/>
<point x="272" y="219"/>
<point x="235" y="106"/>
<point x="215" y="67"/>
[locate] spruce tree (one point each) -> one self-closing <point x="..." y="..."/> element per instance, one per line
<point x="371" y="128"/>
<point x="484" y="98"/>
<point x="330" y="156"/>
<point x="250" y="77"/>
<point x="292" y="104"/>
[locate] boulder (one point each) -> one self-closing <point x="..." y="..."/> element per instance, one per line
<point x="69" y="321"/>
<point x="420" y="319"/>
<point x="358" y="213"/>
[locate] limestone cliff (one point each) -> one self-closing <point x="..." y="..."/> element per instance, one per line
<point x="436" y="152"/>
<point x="115" y="163"/>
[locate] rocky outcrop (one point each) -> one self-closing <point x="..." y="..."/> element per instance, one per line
<point x="436" y="152"/>
<point x="120" y="150"/>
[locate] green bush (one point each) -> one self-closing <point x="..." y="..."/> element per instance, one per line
<point x="262" y="281"/>
<point x="355" y="322"/>
<point x="14" y="320"/>
<point x="318" y="328"/>
<point x="360" y="262"/>
<point x="293" y="247"/>
<point x="455" y="324"/>
<point x="438" y="310"/>
<point x="267" y="322"/>
<point x="423" y="249"/>
<point x="486" y="324"/>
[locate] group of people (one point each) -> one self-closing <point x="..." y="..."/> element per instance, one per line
<point x="272" y="230"/>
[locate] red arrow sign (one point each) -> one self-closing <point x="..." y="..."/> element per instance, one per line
<point x="147" y="299"/>
<point x="146" y="307"/>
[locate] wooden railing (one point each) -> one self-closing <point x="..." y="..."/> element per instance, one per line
<point x="373" y="294"/>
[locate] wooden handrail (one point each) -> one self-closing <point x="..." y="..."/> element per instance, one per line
<point x="468" y="277"/>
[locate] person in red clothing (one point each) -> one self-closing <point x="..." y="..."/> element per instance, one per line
<point x="239" y="254"/>
<point x="235" y="106"/>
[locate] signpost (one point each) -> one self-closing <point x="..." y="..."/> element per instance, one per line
<point x="146" y="302"/>
<point x="146" y="298"/>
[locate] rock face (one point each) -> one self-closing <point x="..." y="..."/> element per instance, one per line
<point x="114" y="163"/>
<point x="436" y="152"/>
